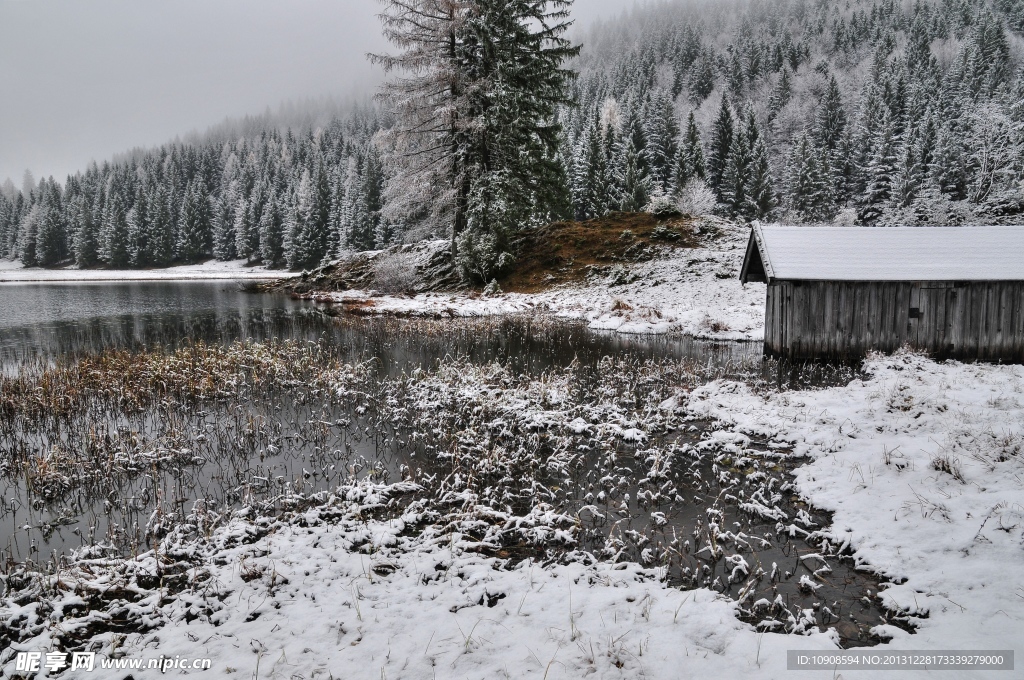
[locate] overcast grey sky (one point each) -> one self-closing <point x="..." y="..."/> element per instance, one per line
<point x="84" y="79"/>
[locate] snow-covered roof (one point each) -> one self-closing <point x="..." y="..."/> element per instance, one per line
<point x="885" y="254"/>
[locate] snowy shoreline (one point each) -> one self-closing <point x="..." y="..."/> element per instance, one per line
<point x="685" y="291"/>
<point x="14" y="272"/>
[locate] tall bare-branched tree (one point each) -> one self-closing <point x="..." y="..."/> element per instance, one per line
<point x="475" y="89"/>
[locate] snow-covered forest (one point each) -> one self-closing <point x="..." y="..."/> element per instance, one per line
<point x="832" y="111"/>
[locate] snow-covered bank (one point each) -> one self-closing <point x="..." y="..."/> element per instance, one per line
<point x="692" y="291"/>
<point x="15" y="272"/>
<point x="923" y="467"/>
<point x="920" y="462"/>
<point x="300" y="600"/>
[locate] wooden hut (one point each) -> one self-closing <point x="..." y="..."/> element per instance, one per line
<point x="838" y="292"/>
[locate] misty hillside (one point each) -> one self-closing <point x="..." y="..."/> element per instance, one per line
<point x="832" y="111"/>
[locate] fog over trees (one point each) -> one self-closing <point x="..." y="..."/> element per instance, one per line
<point x="839" y="111"/>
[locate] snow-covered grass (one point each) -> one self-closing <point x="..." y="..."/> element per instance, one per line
<point x="692" y="291"/>
<point x="920" y="463"/>
<point x="12" y="271"/>
<point x="922" y="466"/>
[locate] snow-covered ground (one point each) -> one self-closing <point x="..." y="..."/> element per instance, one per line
<point x="690" y="291"/>
<point x="921" y="463"/>
<point x="14" y="271"/>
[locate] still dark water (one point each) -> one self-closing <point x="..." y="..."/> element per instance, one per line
<point x="51" y="320"/>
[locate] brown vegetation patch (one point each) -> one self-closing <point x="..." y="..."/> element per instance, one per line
<point x="565" y="252"/>
<point x="561" y="252"/>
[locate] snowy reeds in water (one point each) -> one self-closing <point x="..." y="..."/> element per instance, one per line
<point x="593" y="460"/>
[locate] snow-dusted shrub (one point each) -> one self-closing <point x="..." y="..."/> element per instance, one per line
<point x="847" y="217"/>
<point x="492" y="289"/>
<point x="395" y="273"/>
<point x="696" y="198"/>
<point x="662" y="205"/>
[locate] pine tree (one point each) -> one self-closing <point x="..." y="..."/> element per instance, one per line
<point x="224" y="236"/>
<point x="51" y="243"/>
<point x="114" y="247"/>
<point x="195" y="233"/>
<point x="140" y="231"/>
<point x="736" y="177"/>
<point x="272" y="233"/>
<point x="702" y="78"/>
<point x="690" y="157"/>
<point x="721" y="145"/>
<point x="661" y="133"/>
<point x="761" y="199"/>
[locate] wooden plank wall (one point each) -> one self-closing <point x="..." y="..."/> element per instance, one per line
<point x="845" y="319"/>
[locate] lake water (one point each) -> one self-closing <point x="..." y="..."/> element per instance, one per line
<point x="50" y="320"/>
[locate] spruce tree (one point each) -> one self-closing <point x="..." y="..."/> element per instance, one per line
<point x="880" y="171"/>
<point x="661" y="133"/>
<point x="272" y="233"/>
<point x="780" y="95"/>
<point x="6" y="210"/>
<point x="245" y="229"/>
<point x="115" y="249"/>
<point x="28" y="231"/>
<point x="224" y="237"/>
<point x="86" y="244"/>
<point x="736" y="177"/>
<point x="690" y="158"/>
<point x="596" y="173"/>
<point x="163" y="232"/>
<point x="51" y="243"/>
<point x="831" y="118"/>
<point x="948" y="167"/>
<point x="634" y="186"/>
<point x="761" y="199"/>
<point x="195" y="233"/>
<point x="309" y="222"/>
<point x="721" y="145"/>
<point x="140" y="231"/>
<point x="808" y="184"/>
<point x="702" y="78"/>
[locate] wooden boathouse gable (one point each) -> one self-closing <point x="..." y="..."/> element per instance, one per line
<point x="839" y="292"/>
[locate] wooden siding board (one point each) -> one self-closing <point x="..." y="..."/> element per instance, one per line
<point x="842" y="319"/>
